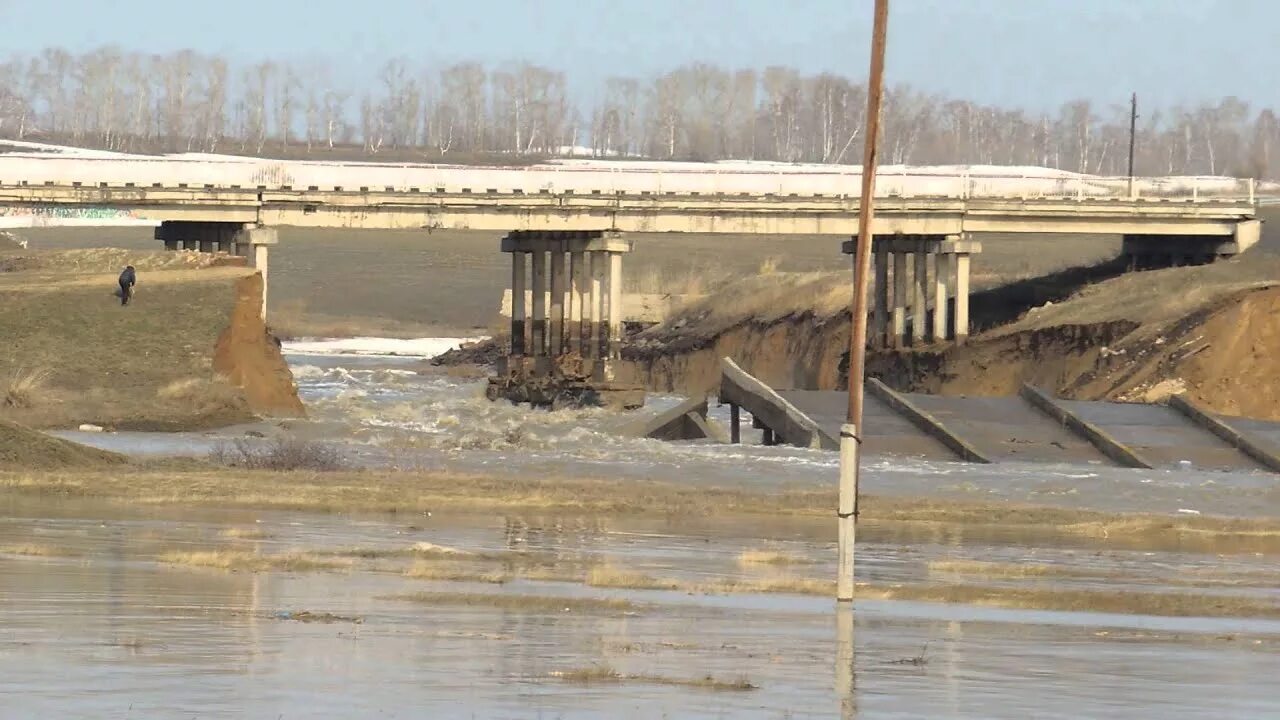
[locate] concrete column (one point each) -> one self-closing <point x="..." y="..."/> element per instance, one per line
<point x="518" y="310"/>
<point x="555" y="338"/>
<point x="920" y="296"/>
<point x="260" y="264"/>
<point x="615" y="305"/>
<point x="260" y="239"/>
<point x="962" y="297"/>
<point x="898" y="323"/>
<point x="577" y="290"/>
<point x="596" y="337"/>
<point x="941" y="273"/>
<point x="880" y="309"/>
<point x="191" y="243"/>
<point x="208" y="239"/>
<point x="539" y="290"/>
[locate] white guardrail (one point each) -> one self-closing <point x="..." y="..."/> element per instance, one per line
<point x="591" y="177"/>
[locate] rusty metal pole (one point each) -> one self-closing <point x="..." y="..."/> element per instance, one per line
<point x="850" y="435"/>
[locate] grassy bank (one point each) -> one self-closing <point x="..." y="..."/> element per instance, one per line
<point x="885" y="518"/>
<point x="75" y="355"/>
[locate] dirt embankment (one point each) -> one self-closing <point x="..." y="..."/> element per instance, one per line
<point x="1208" y="331"/>
<point x="249" y="357"/>
<point x="189" y="352"/>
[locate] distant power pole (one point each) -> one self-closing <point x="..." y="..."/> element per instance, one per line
<point x="1133" y="133"/>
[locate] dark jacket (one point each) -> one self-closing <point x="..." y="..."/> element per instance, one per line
<point x="128" y="278"/>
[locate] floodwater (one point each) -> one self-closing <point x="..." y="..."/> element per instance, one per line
<point x="108" y="631"/>
<point x="397" y="410"/>
<point x="103" y="627"/>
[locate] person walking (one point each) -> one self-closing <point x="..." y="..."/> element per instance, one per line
<point x="128" y="279"/>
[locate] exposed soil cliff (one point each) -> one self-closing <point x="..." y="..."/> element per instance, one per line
<point x="1209" y="331"/>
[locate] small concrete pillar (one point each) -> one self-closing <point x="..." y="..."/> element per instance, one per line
<point x="260" y="239"/>
<point x="539" y="328"/>
<point x="962" y="297"/>
<point x="615" y="307"/>
<point x="596" y="337"/>
<point x="555" y="338"/>
<point x="191" y="243"/>
<point x="941" y="282"/>
<point x="880" y="310"/>
<point x="518" y="310"/>
<point x="577" y="291"/>
<point x="208" y="243"/>
<point x="898" y="322"/>
<point x="919" y="296"/>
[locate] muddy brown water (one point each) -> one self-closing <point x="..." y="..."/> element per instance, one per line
<point x="106" y="630"/>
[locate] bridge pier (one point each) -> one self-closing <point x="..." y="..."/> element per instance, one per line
<point x="247" y="240"/>
<point x="574" y="353"/>
<point x="914" y="258"/>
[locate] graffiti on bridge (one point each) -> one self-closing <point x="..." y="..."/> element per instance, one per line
<point x="67" y="212"/>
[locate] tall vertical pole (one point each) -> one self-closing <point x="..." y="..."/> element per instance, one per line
<point x="847" y="513"/>
<point x="1133" y="133"/>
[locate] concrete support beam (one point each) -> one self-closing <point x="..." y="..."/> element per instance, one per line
<point x="927" y="423"/>
<point x="538" y="328"/>
<point x="615" y="309"/>
<point x="941" y="273"/>
<point x="880" y="310"/>
<point x="595" y="311"/>
<point x="555" y="334"/>
<point x="518" y="310"/>
<point x="898" y="321"/>
<point x="919" y="296"/>
<point x="1107" y="445"/>
<point x="1260" y="451"/>
<point x="577" y="292"/>
<point x="962" y="298"/>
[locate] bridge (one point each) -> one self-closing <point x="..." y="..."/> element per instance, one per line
<point x="566" y="222"/>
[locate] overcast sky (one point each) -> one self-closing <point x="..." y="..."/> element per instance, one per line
<point x="1028" y="53"/>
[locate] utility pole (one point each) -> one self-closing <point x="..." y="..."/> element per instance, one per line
<point x="850" y="432"/>
<point x="1133" y="133"/>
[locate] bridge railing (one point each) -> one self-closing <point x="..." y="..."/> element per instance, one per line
<point x="593" y="177"/>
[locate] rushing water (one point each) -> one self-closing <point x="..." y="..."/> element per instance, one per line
<point x="101" y="627"/>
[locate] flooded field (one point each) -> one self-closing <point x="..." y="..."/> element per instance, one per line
<point x="106" y="615"/>
<point x="161" y="610"/>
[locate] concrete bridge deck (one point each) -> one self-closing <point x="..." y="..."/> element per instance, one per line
<point x="1012" y="429"/>
<point x="635" y="197"/>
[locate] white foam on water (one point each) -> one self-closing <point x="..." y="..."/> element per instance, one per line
<point x="428" y="347"/>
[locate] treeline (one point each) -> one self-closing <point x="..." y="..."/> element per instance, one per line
<point x="187" y="101"/>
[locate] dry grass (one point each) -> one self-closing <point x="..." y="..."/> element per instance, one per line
<point x="455" y="572"/>
<point x="306" y="616"/>
<point x="37" y="550"/>
<point x="243" y="561"/>
<point x="1069" y="600"/>
<point x="604" y="674"/>
<point x="749" y="558"/>
<point x="1002" y="570"/>
<point x="609" y="577"/>
<point x="521" y="603"/>
<point x="24" y="388"/>
<point x="280" y="454"/>
<point x="883" y="518"/>
<point x="113" y="366"/>
<point x="245" y="533"/>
